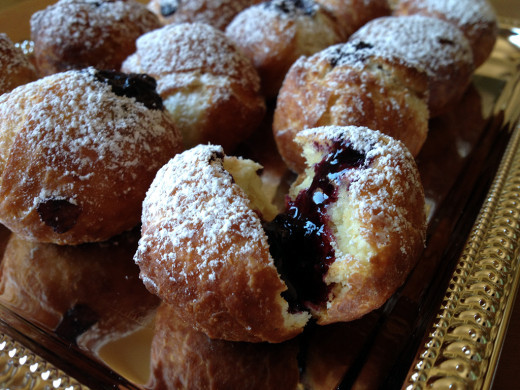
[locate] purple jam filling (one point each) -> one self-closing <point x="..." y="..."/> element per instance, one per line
<point x="141" y="87"/>
<point x="299" y="239"/>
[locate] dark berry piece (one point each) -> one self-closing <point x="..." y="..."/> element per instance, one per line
<point x="60" y="214"/>
<point x="141" y="87"/>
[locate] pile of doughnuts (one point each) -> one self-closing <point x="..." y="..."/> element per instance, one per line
<point x="139" y="109"/>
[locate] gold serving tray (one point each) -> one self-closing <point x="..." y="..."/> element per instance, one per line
<point x="443" y="329"/>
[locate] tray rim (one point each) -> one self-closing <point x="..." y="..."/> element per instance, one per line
<point x="461" y="348"/>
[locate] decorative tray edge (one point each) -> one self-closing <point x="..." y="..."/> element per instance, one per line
<point x="463" y="345"/>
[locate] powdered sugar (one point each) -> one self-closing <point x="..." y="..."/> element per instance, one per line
<point x="77" y="122"/>
<point x="88" y="21"/>
<point x="418" y="41"/>
<point x="193" y="204"/>
<point x="463" y="12"/>
<point x="190" y="47"/>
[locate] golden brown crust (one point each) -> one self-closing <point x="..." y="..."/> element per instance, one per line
<point x="15" y="68"/>
<point x="74" y="34"/>
<point x="211" y="89"/>
<point x="352" y="14"/>
<point x="76" y="159"/>
<point x="476" y="19"/>
<point x="216" y="13"/>
<point x="349" y="84"/>
<point x="379" y="220"/>
<point x="275" y="34"/>
<point x="72" y="289"/>
<point x="183" y="358"/>
<point x="203" y="250"/>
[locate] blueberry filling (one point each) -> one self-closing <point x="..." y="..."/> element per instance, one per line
<point x="292" y="7"/>
<point x="76" y="321"/>
<point x="300" y="240"/>
<point x="60" y="214"/>
<point x="169" y="7"/>
<point x="141" y="87"/>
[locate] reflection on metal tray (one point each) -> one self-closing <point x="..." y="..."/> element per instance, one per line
<point x="444" y="327"/>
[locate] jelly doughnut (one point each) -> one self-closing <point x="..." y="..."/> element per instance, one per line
<point x="78" y="151"/>
<point x="276" y="33"/>
<point x="210" y="88"/>
<point x="203" y="249"/>
<point x="476" y="19"/>
<point x="432" y="44"/>
<point x="350" y="84"/>
<point x="354" y="225"/>
<point x="74" y="34"/>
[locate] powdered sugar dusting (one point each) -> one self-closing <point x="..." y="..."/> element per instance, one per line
<point x="463" y="12"/>
<point x="193" y="196"/>
<point x="418" y="41"/>
<point x="190" y="48"/>
<point x="77" y="122"/>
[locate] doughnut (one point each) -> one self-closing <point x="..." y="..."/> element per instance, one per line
<point x="183" y="358"/>
<point x="203" y="249"/>
<point x="432" y="44"/>
<point x="352" y="14"/>
<point x="276" y="33"/>
<point x="75" y="34"/>
<point x="350" y="234"/>
<point x="71" y="290"/>
<point x="476" y="19"/>
<point x="350" y="84"/>
<point x="15" y="68"/>
<point x="78" y="150"/>
<point x="216" y="13"/>
<point x="210" y="89"/>
<point x="354" y="224"/>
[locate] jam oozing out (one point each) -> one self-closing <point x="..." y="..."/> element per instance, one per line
<point x="300" y="240"/>
<point x="76" y="321"/>
<point x="141" y="87"/>
<point x="60" y="214"/>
